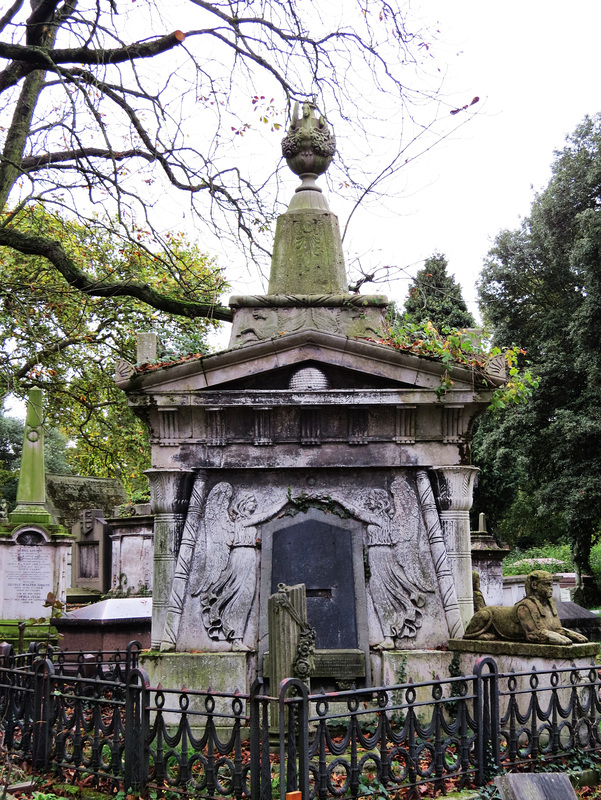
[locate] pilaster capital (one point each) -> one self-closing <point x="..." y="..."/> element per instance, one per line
<point x="453" y="487"/>
<point x="170" y="489"/>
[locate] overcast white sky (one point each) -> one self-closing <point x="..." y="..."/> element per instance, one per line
<point x="536" y="67"/>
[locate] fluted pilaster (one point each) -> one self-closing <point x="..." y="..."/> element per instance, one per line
<point x="170" y="494"/>
<point x="453" y="488"/>
<point x="179" y="586"/>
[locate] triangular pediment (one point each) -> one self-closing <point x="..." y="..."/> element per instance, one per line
<point x="268" y="364"/>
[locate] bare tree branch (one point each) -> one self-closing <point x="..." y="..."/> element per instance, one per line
<point x="6" y="18"/>
<point x="56" y="254"/>
<point x="33" y="163"/>
<point x="40" y="57"/>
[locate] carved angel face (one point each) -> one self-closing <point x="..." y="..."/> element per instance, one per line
<point x="246" y="507"/>
<point x="377" y="500"/>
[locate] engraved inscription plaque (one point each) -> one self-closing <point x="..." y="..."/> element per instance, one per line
<point x="28" y="581"/>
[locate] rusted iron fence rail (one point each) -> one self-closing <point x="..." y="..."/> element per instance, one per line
<point x="99" y="715"/>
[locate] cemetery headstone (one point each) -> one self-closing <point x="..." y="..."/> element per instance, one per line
<point x="535" y="786"/>
<point x="34" y="550"/>
<point x="91" y="568"/>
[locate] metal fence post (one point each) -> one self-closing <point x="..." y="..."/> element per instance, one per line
<point x="132" y="652"/>
<point x="486" y="716"/>
<point x="256" y="689"/>
<point x="288" y="737"/>
<point x="43" y="672"/>
<point x="137" y="725"/>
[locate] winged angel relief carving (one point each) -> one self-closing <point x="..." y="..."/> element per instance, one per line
<point x="227" y="585"/>
<point x="399" y="580"/>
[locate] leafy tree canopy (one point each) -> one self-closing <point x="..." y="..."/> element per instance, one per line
<point x="541" y="288"/>
<point x="66" y="342"/>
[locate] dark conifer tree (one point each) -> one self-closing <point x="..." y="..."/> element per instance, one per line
<point x="435" y="296"/>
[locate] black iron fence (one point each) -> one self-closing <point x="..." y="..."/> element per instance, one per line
<point x="100" y="716"/>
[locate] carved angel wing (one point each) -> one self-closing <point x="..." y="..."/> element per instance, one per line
<point x="409" y="536"/>
<point x="217" y="539"/>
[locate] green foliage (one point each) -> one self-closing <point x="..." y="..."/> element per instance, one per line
<point x="435" y="297"/>
<point x="541" y="287"/>
<point x="595" y="564"/>
<point x="370" y="786"/>
<point x="467" y="348"/>
<point x="67" y="343"/>
<point x="552" y="558"/>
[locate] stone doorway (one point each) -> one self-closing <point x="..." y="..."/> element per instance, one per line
<point x="325" y="553"/>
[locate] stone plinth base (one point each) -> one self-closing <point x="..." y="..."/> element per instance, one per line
<point x="526" y="651"/>
<point x="221" y="672"/>
<point x="399" y="666"/>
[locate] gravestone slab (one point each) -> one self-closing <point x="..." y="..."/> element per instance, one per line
<point x="535" y="786"/>
<point x="29" y="576"/>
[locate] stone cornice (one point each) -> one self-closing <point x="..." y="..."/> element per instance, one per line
<point x="367" y="357"/>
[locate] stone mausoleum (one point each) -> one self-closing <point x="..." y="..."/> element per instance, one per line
<point x="308" y="452"/>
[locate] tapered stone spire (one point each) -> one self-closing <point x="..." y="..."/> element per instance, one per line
<point x="307" y="250"/>
<point x="308" y="285"/>
<point x="31" y="491"/>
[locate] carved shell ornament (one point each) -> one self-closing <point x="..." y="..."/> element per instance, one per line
<point x="309" y="146"/>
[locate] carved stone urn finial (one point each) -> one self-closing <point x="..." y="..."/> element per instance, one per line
<point x="309" y="146"/>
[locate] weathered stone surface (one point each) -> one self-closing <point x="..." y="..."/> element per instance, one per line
<point x="91" y="558"/>
<point x="170" y="495"/>
<point x="288" y="629"/>
<point x="343" y="666"/>
<point x="307" y="254"/>
<point x="296" y="479"/>
<point x="535" y="786"/>
<point x="363" y="318"/>
<point x="453" y="486"/>
<point x="221" y="672"/>
<point x="132" y="550"/>
<point x="308" y="146"/>
<point x="31" y="490"/>
<point x="526" y="649"/>
<point x="68" y="495"/>
<point x="487" y="560"/>
<point x="34" y="550"/>
<point x="147" y="350"/>
<point x="277" y="495"/>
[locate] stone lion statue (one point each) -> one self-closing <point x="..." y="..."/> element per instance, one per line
<point x="533" y="619"/>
